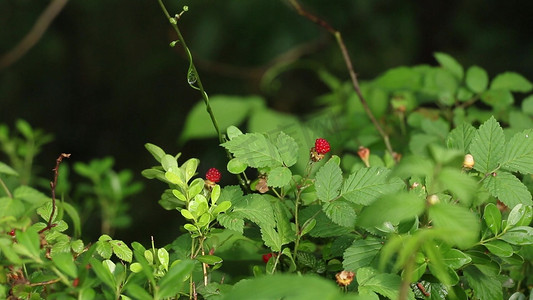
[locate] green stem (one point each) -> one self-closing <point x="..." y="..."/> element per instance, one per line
<point x="4" y="186"/>
<point x="198" y="81"/>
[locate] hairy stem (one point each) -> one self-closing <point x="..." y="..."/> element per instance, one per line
<point x="4" y="186"/>
<point x="349" y="66"/>
<point x="53" y="185"/>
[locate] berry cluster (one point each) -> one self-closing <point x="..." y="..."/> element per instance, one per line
<point x="213" y="175"/>
<point x="320" y="149"/>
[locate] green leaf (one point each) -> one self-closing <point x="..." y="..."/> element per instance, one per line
<point x="169" y="162"/>
<point x="230" y="110"/>
<point x="362" y="253"/>
<point x="288" y="149"/>
<point x="511" y="81"/>
<point x="233" y="131"/>
<point x="450" y="64"/>
<point x="255" y="150"/>
<point x="11" y="207"/>
<point x="508" y="189"/>
<point x="156" y="152"/>
<point x="463" y="187"/>
<point x="286" y="286"/>
<point x="484" y="286"/>
<point x="8" y="251"/>
<point x="455" y="259"/>
<point x="7" y="170"/>
<point x="340" y="212"/>
<point x="30" y="240"/>
<point x="387" y="285"/>
<point x="121" y="250"/>
<point x="461" y="137"/>
<point x="518" y="155"/>
<point x="487" y="146"/>
<point x="392" y="208"/>
<point x="279" y="177"/>
<point x="328" y="181"/>
<point x="493" y="218"/>
<point x="283" y="225"/>
<point x="367" y="184"/>
<point x="477" y="79"/>
<point x="254" y="207"/>
<point x="65" y="263"/>
<point x="517" y="213"/>
<point x="209" y="259"/>
<point x="236" y="166"/>
<point x="324" y="226"/>
<point x="103" y="273"/>
<point x="499" y="248"/>
<point x="499" y="99"/>
<point x="401" y="78"/>
<point x="527" y="105"/>
<point x="458" y="225"/>
<point x="171" y="284"/>
<point x="521" y="235"/>
<point x="271" y="238"/>
<point x="136" y="292"/>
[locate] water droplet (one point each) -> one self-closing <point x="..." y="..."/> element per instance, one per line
<point x="191" y="77"/>
<point x="527" y="135"/>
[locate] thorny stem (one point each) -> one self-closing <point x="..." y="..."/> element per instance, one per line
<point x="53" y="185"/>
<point x="192" y="69"/>
<point x="348" y="62"/>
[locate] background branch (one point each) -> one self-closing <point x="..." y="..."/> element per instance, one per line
<point x="34" y="35"/>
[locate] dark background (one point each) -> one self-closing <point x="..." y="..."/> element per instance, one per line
<point x="104" y="81"/>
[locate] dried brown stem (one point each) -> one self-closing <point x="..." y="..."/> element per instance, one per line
<point x="53" y="185"/>
<point x="349" y="66"/>
<point x="41" y="25"/>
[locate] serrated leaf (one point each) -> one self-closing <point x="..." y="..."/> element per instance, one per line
<point x="328" y="181"/>
<point x="288" y="149"/>
<point x="518" y="155"/>
<point x="508" y="189"/>
<point x="255" y="208"/>
<point x="511" y="81"/>
<point x="362" y="253"/>
<point x="387" y="285"/>
<point x="392" y="208"/>
<point x="484" y="286"/>
<point x="65" y="262"/>
<point x="487" y="146"/>
<point x="493" y="218"/>
<point x="255" y="150"/>
<point x="271" y="238"/>
<point x="477" y="79"/>
<point x="458" y="225"/>
<point x="499" y="248"/>
<point x="461" y="137"/>
<point x="279" y="177"/>
<point x="462" y="186"/>
<point x="324" y="226"/>
<point x="450" y="64"/>
<point x="283" y="225"/>
<point x="367" y="184"/>
<point x="104" y="249"/>
<point x="121" y="250"/>
<point x="340" y="212"/>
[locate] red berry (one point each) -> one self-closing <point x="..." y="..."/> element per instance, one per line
<point x="12" y="232"/>
<point x="213" y="175"/>
<point x="266" y="257"/>
<point x="322" y="146"/>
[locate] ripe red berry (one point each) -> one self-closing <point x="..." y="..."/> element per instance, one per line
<point x="213" y="175"/>
<point x="266" y="257"/>
<point x="12" y="232"/>
<point x="322" y="146"/>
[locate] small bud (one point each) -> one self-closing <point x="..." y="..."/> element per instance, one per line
<point x="344" y="278"/>
<point x="364" y="154"/>
<point x="173" y="21"/>
<point x="262" y="185"/>
<point x="173" y="43"/>
<point x="432" y="199"/>
<point x="185" y="8"/>
<point x="501" y="206"/>
<point x="468" y="162"/>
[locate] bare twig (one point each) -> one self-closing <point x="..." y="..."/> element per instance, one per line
<point x="348" y="62"/>
<point x="35" y="34"/>
<point x="53" y="185"/>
